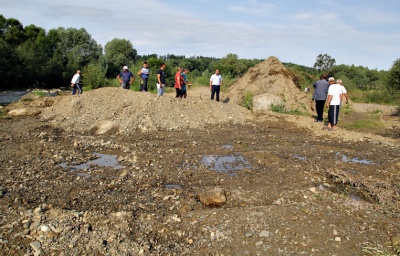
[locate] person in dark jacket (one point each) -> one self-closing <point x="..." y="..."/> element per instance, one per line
<point x="320" y="94"/>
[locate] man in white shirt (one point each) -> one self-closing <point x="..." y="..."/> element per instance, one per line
<point x="344" y="91"/>
<point x="215" y="84"/>
<point x="76" y="87"/>
<point x="333" y="102"/>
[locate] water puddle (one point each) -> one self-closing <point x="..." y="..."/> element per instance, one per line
<point x="7" y="97"/>
<point x="103" y="160"/>
<point x="345" y="159"/>
<point x="226" y="164"/>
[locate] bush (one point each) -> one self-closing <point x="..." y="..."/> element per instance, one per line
<point x="248" y="100"/>
<point x="93" y="76"/>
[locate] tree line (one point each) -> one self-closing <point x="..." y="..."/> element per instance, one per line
<point x="32" y="57"/>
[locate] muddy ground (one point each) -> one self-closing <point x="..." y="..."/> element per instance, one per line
<point x="291" y="188"/>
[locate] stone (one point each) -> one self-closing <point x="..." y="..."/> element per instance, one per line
<point x="36" y="246"/>
<point x="105" y="126"/>
<point x="45" y="228"/>
<point x="185" y="209"/>
<point x="265" y="233"/>
<point x="213" y="197"/>
<point x="395" y="240"/>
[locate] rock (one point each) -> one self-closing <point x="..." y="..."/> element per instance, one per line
<point x="36" y="246"/>
<point x="265" y="233"/>
<point x="259" y="243"/>
<point x="395" y="240"/>
<point x="249" y="234"/>
<point x="45" y="228"/>
<point x="213" y="197"/>
<point x="185" y="209"/>
<point x="264" y="101"/>
<point x="338" y="239"/>
<point x="105" y="126"/>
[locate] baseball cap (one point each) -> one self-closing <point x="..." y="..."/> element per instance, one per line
<point x="125" y="67"/>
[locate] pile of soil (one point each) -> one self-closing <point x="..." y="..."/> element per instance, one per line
<point x="125" y="112"/>
<point x="270" y="82"/>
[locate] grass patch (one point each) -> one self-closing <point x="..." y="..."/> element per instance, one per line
<point x="3" y="113"/>
<point x="248" y="100"/>
<point x="370" y="122"/>
<point x="346" y="109"/>
<point x="375" y="96"/>
<point x="39" y="93"/>
<point x="280" y="108"/>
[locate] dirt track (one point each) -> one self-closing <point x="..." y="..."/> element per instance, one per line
<point x="299" y="190"/>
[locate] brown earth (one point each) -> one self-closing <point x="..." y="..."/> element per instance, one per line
<point x="284" y="185"/>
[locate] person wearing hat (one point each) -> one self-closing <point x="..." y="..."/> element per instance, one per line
<point x="333" y="103"/>
<point x="126" y="78"/>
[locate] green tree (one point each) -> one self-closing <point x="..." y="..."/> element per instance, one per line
<point x="392" y="82"/>
<point x="118" y="53"/>
<point x="324" y="62"/>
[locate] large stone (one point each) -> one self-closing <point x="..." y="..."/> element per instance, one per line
<point x="263" y="102"/>
<point x="105" y="127"/>
<point x="23" y="112"/>
<point x="213" y="197"/>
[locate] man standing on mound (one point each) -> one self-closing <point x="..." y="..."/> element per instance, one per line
<point x="215" y="84"/>
<point x="76" y="87"/>
<point x="126" y="78"/>
<point x="144" y="74"/>
<point x="161" y="80"/>
<point x="333" y="101"/>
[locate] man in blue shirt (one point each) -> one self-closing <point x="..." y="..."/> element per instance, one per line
<point x="144" y="74"/>
<point x="126" y="78"/>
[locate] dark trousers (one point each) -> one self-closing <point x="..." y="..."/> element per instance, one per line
<point x="178" y="93"/>
<point x="215" y="90"/>
<point x="77" y="88"/>
<point x="319" y="106"/>
<point x="333" y="114"/>
<point x="143" y="84"/>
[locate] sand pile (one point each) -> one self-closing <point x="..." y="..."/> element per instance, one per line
<point x="271" y="83"/>
<point x="114" y="110"/>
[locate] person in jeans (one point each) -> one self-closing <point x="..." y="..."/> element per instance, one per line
<point x="333" y="102"/>
<point x="144" y="74"/>
<point x="76" y="87"/>
<point x="320" y="93"/>
<point x="126" y="78"/>
<point x="161" y="80"/>
<point x="215" y="84"/>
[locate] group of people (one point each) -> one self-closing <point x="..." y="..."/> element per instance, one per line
<point x="329" y="94"/>
<point x="126" y="78"/>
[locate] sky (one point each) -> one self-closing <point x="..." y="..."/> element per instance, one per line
<point x="353" y="32"/>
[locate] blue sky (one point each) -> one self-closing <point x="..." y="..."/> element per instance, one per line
<point x="359" y="32"/>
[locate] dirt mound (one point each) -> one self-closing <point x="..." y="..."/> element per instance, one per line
<point x="123" y="111"/>
<point x="271" y="83"/>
